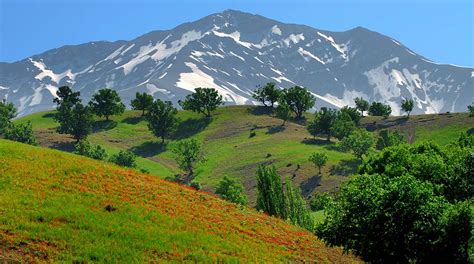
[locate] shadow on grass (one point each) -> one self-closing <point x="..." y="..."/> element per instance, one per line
<point x="260" y="110"/>
<point x="133" y="120"/>
<point x="470" y="131"/>
<point x="275" y="129"/>
<point x="48" y="115"/>
<point x="149" y="149"/>
<point x="345" y="167"/>
<point x="191" y="127"/>
<point x="308" y="185"/>
<point x="316" y="141"/>
<point x="63" y="146"/>
<point x="103" y="125"/>
<point x="386" y="123"/>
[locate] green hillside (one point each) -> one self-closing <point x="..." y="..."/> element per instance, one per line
<point x="59" y="207"/>
<point x="230" y="149"/>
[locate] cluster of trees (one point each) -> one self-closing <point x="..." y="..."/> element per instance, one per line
<point x="379" y="109"/>
<point x="16" y="132"/>
<point x="414" y="198"/>
<point x="295" y="99"/>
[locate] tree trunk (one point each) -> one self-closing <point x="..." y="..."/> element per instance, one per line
<point x="106" y="118"/>
<point x="162" y="140"/>
<point x="143" y="112"/>
<point x="319" y="167"/>
<point x="328" y="137"/>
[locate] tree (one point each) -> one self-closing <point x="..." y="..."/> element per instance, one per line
<point x="268" y="93"/>
<point x="162" y="119"/>
<point x="449" y="169"/>
<point x="65" y="95"/>
<point x="142" y="102"/>
<point x="297" y="210"/>
<point x="106" y="102"/>
<point x="413" y="223"/>
<point x="351" y="113"/>
<point x="361" y="105"/>
<point x="85" y="148"/>
<point x="379" y="109"/>
<point x="286" y="203"/>
<point x="7" y="112"/>
<point x="283" y="112"/>
<point x="387" y="138"/>
<point x="320" y="201"/>
<point x="270" y="196"/>
<point x="319" y="159"/>
<point x="322" y="123"/>
<point x="360" y="142"/>
<point x="188" y="153"/>
<point x="20" y="132"/>
<point x="343" y="125"/>
<point x="407" y="106"/>
<point x="470" y="108"/>
<point x="80" y="123"/>
<point x="66" y="100"/>
<point x="231" y="190"/>
<point x="298" y="100"/>
<point x="124" y="158"/>
<point x="203" y="100"/>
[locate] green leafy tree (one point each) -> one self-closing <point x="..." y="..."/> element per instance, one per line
<point x="20" y="132"/>
<point x="379" y="109"/>
<point x="267" y="94"/>
<point x="414" y="224"/>
<point x="360" y="142"/>
<point x="352" y="114"/>
<point x="343" y="125"/>
<point x="162" y="119"/>
<point x="270" y="196"/>
<point x="320" y="201"/>
<point x="407" y="106"/>
<point x="7" y="113"/>
<point x="80" y="123"/>
<point x="297" y="211"/>
<point x="231" y="190"/>
<point x="284" y="202"/>
<point x="298" y="99"/>
<point x="142" y="102"/>
<point x="283" y="112"/>
<point x="319" y="159"/>
<point x="361" y="105"/>
<point x="470" y="108"/>
<point x="387" y="138"/>
<point x="203" y="100"/>
<point x="124" y="158"/>
<point x="188" y="153"/>
<point x="87" y="149"/>
<point x="322" y="122"/>
<point x="449" y="169"/>
<point x="106" y="102"/>
<point x="65" y="100"/>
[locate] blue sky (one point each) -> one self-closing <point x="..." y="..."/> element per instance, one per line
<point x="441" y="30"/>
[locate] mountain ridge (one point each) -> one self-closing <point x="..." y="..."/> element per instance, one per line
<point x="235" y="51"/>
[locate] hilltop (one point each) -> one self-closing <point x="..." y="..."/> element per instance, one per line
<point x="230" y="149"/>
<point x="57" y="206"/>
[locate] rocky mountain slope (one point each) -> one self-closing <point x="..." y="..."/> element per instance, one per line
<point x="234" y="52"/>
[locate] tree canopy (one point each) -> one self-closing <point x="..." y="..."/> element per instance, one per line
<point x="298" y="100"/>
<point x="106" y="102"/>
<point x="379" y="109"/>
<point x="407" y="106"/>
<point x="267" y="94"/>
<point x="361" y="105"/>
<point x="142" y="102"/>
<point x="203" y="100"/>
<point x="162" y="119"/>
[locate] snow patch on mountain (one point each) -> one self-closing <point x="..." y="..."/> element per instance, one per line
<point x="45" y="72"/>
<point x="198" y="78"/>
<point x="307" y="54"/>
<point x="276" y="30"/>
<point x="235" y="36"/>
<point x="293" y="38"/>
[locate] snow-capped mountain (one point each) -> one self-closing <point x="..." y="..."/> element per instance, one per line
<point x="234" y="52"/>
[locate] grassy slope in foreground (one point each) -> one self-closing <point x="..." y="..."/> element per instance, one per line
<point x="52" y="207"/>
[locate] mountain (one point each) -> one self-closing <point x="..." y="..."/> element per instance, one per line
<point x="234" y="52"/>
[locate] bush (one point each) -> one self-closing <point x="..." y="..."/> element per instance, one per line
<point x="196" y="185"/>
<point x="85" y="148"/>
<point x="387" y="138"/>
<point x="124" y="158"/>
<point x="231" y="190"/>
<point x="20" y="132"/>
<point x="360" y="142"/>
<point x="320" y="201"/>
